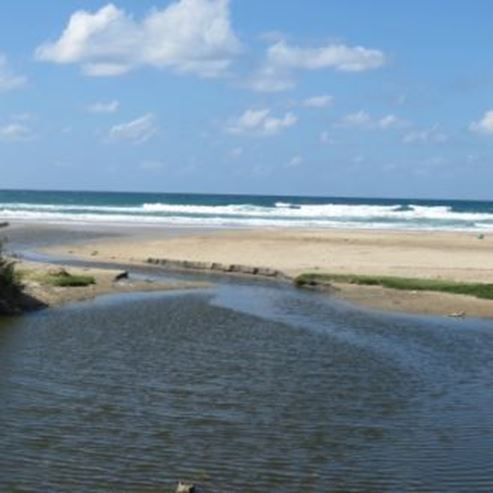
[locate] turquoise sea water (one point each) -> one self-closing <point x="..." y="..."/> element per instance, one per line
<point x="244" y="210"/>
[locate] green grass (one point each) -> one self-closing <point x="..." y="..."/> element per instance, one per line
<point x="479" y="290"/>
<point x="45" y="278"/>
<point x="70" y="281"/>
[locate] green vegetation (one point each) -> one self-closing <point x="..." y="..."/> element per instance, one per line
<point x="57" y="277"/>
<point x="70" y="281"/>
<point x="479" y="290"/>
<point x="10" y="288"/>
<point x="7" y="274"/>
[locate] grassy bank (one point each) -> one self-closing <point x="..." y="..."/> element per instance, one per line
<point x="70" y="281"/>
<point x="58" y="278"/>
<point x="479" y="290"/>
<point x="10" y="288"/>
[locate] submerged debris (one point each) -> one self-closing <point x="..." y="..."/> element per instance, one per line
<point x="185" y="487"/>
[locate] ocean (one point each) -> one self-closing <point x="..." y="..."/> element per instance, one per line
<point x="203" y="210"/>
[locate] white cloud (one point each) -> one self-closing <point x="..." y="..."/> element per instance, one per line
<point x="187" y="36"/>
<point x="259" y="122"/>
<point x="318" y="101"/>
<point x="295" y="161"/>
<point x="358" y="119"/>
<point x="282" y="59"/>
<point x="485" y="125"/>
<point x="362" y="119"/>
<point x="15" y="131"/>
<point x="389" y="121"/>
<point x="9" y="80"/>
<point x="137" y="131"/>
<point x="336" y="56"/>
<point x="431" y="135"/>
<point x="270" y="79"/>
<point x="103" y="107"/>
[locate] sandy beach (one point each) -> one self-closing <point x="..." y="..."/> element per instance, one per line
<point x="455" y="256"/>
<point x="106" y="281"/>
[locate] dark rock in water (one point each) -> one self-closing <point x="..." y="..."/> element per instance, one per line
<point x="266" y="272"/>
<point x="121" y="275"/>
<point x="94" y="253"/>
<point x="244" y="269"/>
<point x="197" y="265"/>
<point x="4" y="224"/>
<point x="185" y="488"/>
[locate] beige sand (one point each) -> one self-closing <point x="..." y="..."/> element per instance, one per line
<point x="105" y="283"/>
<point x="452" y="256"/>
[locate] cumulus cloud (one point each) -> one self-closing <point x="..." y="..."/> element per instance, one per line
<point x="260" y="122"/>
<point x="136" y="131"/>
<point x="336" y="56"/>
<point x="485" y="125"/>
<point x="318" y="101"/>
<point x="103" y="107"/>
<point x="362" y="119"/>
<point x="282" y="59"/>
<point x="431" y="135"/>
<point x="187" y="36"/>
<point x="15" y="131"/>
<point x="8" y="79"/>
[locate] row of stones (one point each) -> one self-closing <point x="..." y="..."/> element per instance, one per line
<point x="215" y="266"/>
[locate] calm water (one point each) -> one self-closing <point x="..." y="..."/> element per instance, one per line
<point x="245" y="388"/>
<point x="160" y="209"/>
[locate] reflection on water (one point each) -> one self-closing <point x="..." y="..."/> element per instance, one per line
<point x="250" y="388"/>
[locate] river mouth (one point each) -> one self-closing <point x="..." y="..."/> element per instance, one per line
<point x="249" y="387"/>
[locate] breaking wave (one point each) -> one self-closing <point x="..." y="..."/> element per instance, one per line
<point x="283" y="214"/>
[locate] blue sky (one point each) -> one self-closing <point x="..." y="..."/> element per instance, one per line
<point x="317" y="97"/>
